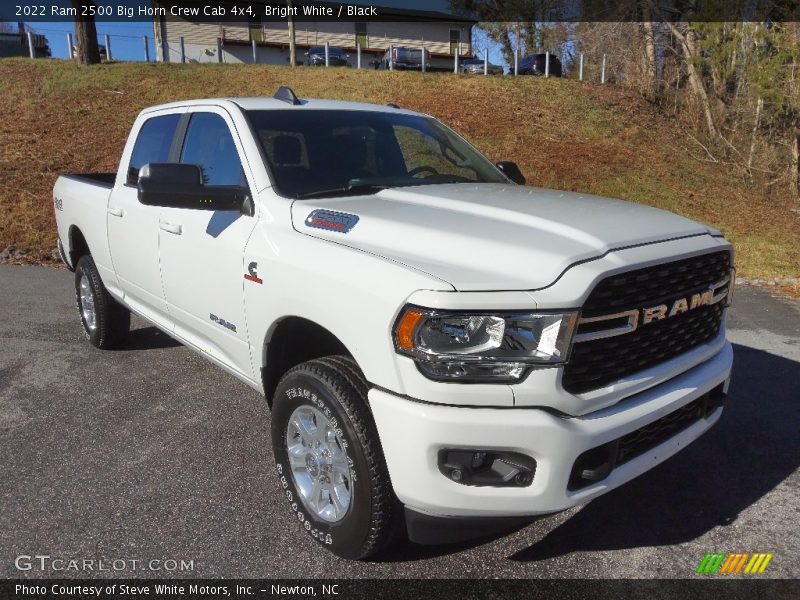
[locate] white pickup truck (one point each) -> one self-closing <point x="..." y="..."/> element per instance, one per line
<point x="443" y="349"/>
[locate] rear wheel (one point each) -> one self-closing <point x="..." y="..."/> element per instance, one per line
<point x="328" y="457"/>
<point x="105" y="321"/>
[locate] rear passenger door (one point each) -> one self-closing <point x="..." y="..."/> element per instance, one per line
<point x="133" y="227"/>
<point x="202" y="251"/>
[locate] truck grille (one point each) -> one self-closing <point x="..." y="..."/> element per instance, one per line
<point x="648" y="437"/>
<point x="599" y="362"/>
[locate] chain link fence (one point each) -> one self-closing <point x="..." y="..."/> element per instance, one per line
<point x="44" y="42"/>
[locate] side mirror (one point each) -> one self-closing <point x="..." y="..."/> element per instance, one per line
<point x="511" y="170"/>
<point x="181" y="186"/>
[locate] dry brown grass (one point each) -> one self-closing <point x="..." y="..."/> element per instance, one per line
<point x="56" y="117"/>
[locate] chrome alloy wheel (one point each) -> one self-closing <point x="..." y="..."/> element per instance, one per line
<point x="319" y="464"/>
<point x="87" y="303"/>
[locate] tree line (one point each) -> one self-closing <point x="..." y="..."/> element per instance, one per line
<point x="736" y="79"/>
<point x="729" y="68"/>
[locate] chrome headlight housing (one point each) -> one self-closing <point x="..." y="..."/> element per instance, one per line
<point x="487" y="347"/>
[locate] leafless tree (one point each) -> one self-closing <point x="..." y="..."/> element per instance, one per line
<point x="688" y="44"/>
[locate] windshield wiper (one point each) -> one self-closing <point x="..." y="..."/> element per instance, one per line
<point x="348" y="190"/>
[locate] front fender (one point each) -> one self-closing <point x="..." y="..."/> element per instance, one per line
<point x="351" y="293"/>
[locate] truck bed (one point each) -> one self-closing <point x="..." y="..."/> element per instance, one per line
<point x="81" y="204"/>
<point x="103" y="179"/>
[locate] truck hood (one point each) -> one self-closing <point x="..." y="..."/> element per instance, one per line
<point x="480" y="237"/>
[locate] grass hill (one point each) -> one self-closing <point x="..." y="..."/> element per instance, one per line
<point x="58" y="117"/>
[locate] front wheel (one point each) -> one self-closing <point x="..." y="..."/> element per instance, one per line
<point x="105" y="321"/>
<point x="329" y="460"/>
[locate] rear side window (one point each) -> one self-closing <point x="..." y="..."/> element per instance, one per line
<point x="209" y="145"/>
<point x="153" y="144"/>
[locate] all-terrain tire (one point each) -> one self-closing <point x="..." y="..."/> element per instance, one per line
<point x="111" y="321"/>
<point x="335" y="388"/>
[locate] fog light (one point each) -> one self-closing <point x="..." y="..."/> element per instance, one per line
<point x="487" y="467"/>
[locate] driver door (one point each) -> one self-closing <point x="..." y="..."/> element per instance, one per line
<point x="202" y="251"/>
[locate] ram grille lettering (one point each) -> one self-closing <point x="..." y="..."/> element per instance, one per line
<point x="630" y="320"/>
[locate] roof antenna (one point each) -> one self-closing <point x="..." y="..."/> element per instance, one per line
<point x="285" y="94"/>
<point x="392" y="105"/>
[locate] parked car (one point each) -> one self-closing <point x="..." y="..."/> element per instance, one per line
<point x="336" y="57"/>
<point x="475" y="65"/>
<point x="435" y="340"/>
<point x="534" y="64"/>
<point x="405" y="59"/>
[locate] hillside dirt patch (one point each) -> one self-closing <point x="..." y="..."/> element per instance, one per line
<point x="57" y="117"/>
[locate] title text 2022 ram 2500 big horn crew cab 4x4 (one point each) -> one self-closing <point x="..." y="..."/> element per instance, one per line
<point x="437" y="343"/>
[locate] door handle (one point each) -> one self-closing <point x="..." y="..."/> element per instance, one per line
<point x="117" y="212"/>
<point x="170" y="227"/>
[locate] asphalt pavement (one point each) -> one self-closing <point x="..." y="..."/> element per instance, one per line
<point x="151" y="452"/>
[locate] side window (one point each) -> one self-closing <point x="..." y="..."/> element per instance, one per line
<point x="256" y="29"/>
<point x="455" y="41"/>
<point x="209" y="145"/>
<point x="361" y="34"/>
<point x="152" y="144"/>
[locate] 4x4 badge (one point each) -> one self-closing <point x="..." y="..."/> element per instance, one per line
<point x="252" y="274"/>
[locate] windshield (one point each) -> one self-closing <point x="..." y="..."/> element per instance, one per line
<point x="315" y="152"/>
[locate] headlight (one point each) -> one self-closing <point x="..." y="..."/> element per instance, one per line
<point x="483" y="347"/>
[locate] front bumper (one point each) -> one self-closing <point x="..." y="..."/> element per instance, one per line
<point x="412" y="433"/>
